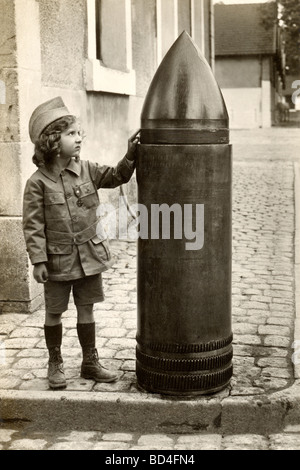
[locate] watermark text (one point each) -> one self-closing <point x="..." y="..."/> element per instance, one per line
<point x="157" y="221"/>
<point x="296" y="93"/>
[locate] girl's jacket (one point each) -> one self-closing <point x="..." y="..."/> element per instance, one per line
<point x="60" y="217"/>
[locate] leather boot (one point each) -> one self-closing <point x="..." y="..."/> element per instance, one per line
<point x="91" y="367"/>
<point x="56" y="376"/>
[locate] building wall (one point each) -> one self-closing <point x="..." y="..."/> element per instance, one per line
<point x="20" y="74"/>
<point x="247" y="88"/>
<point x="53" y="47"/>
<point x="63" y="42"/>
<point x="238" y="72"/>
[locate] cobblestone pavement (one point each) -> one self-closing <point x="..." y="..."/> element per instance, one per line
<point x="15" y="439"/>
<point x="263" y="312"/>
<point x="263" y="307"/>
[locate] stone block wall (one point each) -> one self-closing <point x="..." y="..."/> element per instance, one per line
<point x="19" y="65"/>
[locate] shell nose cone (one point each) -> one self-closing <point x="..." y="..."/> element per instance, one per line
<point x="184" y="87"/>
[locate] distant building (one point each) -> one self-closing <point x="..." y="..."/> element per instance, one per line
<point x="249" y="62"/>
<point x="100" y="56"/>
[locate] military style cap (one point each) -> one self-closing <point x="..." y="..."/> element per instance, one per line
<point x="45" y="114"/>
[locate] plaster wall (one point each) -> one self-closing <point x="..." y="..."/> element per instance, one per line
<point x="243" y="106"/>
<point x="246" y="85"/>
<point x="238" y="72"/>
<point x="63" y="42"/>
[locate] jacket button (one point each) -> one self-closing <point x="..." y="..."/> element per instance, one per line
<point x="63" y="173"/>
<point x="75" y="219"/>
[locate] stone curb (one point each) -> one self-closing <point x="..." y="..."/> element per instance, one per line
<point x="120" y="412"/>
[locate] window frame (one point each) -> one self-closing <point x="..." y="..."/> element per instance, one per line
<point x="104" y="79"/>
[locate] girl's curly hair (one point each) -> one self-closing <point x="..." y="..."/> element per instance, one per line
<point x="47" y="148"/>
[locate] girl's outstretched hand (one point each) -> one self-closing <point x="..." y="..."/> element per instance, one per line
<point x="40" y="273"/>
<point x="132" y="147"/>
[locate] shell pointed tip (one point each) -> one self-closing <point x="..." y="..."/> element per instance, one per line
<point x="185" y="34"/>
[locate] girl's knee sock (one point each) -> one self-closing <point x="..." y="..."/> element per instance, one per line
<point x="87" y="335"/>
<point x="53" y="335"/>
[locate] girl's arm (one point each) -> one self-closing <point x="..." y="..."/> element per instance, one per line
<point x="105" y="176"/>
<point x="34" y="222"/>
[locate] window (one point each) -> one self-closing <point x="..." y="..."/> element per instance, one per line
<point x="175" y="16"/>
<point x="109" y="63"/>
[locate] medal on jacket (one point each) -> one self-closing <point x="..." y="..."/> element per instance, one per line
<point x="77" y="192"/>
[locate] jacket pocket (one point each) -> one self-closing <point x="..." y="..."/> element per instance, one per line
<point x="59" y="257"/>
<point x="55" y="205"/>
<point x="88" y="194"/>
<point x="101" y="248"/>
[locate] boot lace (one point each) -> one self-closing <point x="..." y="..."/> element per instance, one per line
<point x="55" y="360"/>
<point x="93" y="357"/>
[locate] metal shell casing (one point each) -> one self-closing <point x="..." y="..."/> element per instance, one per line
<point x="184" y="336"/>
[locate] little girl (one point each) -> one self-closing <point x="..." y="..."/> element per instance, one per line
<point x="63" y="236"/>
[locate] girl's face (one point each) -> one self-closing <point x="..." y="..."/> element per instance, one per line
<point x="70" y="141"/>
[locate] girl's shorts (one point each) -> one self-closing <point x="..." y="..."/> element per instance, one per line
<point x="87" y="290"/>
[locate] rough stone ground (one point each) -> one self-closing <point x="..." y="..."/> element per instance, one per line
<point x="263" y="313"/>
<point x="13" y="439"/>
